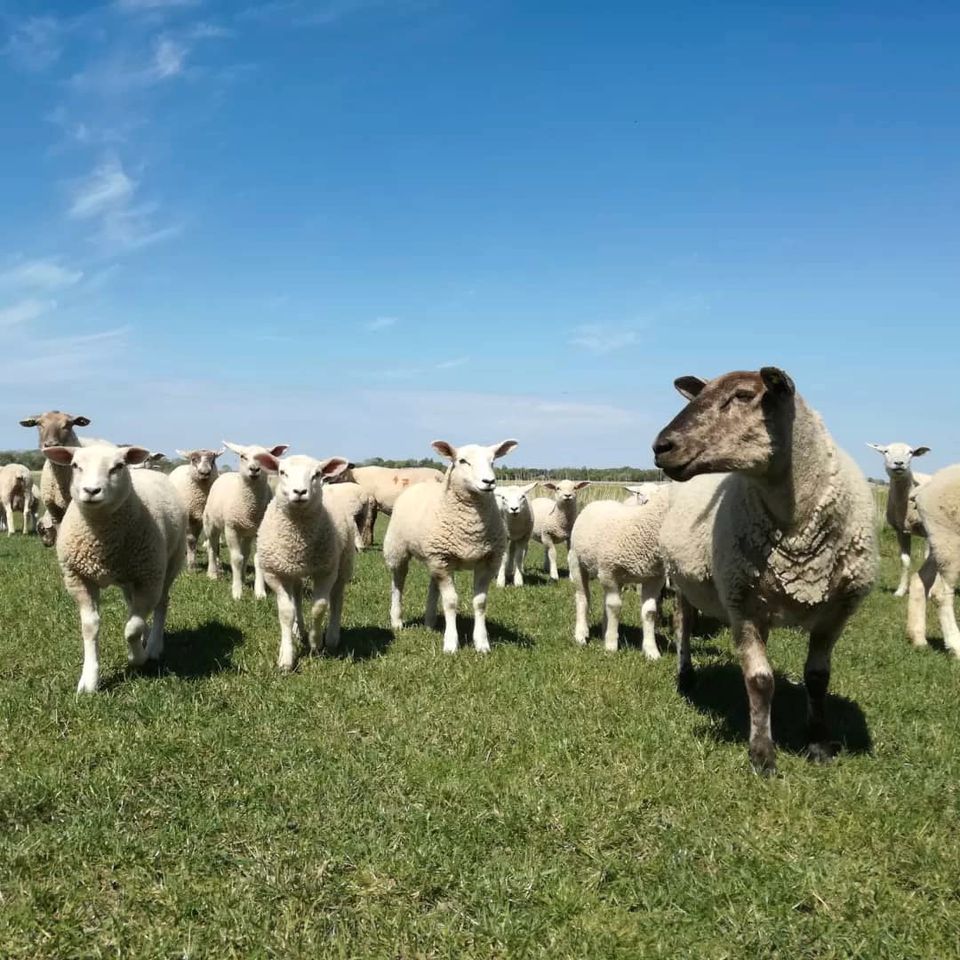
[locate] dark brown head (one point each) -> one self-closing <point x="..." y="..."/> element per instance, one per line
<point x="737" y="422"/>
<point x="55" y="428"/>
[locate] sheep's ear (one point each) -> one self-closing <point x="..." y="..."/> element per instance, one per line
<point x="60" y="455"/>
<point x="879" y="447"/>
<point x="135" y="455"/>
<point x="156" y="456"/>
<point x="549" y="484"/>
<point x="920" y="451"/>
<point x="689" y="387"/>
<point x="445" y="449"/>
<point x="580" y="484"/>
<point x="219" y="453"/>
<point x="777" y="381"/>
<point x="642" y="498"/>
<point x="332" y="468"/>
<point x="79" y="421"/>
<point x="235" y="448"/>
<point x="502" y="448"/>
<point x="268" y="461"/>
<point x="280" y="449"/>
<point x="30" y="422"/>
<point x="528" y="487"/>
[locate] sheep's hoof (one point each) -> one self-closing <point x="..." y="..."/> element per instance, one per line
<point x="285" y="666"/>
<point x="686" y="678"/>
<point x="919" y="644"/>
<point x="580" y="641"/>
<point x="450" y="649"/>
<point x="900" y="592"/>
<point x="653" y="654"/>
<point x="822" y="751"/>
<point x="482" y="647"/>
<point x="87" y="685"/>
<point x="763" y="757"/>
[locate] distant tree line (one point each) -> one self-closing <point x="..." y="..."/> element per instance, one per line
<point x="608" y="474"/>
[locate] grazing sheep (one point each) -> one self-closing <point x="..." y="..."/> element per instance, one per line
<point x="234" y="508"/>
<point x="451" y="526"/>
<point x="553" y="520"/>
<point x="193" y="481"/>
<point x="618" y="543"/>
<point x="16" y="494"/>
<point x="518" y="522"/>
<point x="903" y="481"/>
<point x="781" y="530"/>
<point x="122" y="527"/>
<point x="938" y="504"/>
<point x="303" y="536"/>
<point x="384" y="485"/>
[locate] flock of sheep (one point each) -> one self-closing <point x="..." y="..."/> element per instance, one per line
<point x="769" y="522"/>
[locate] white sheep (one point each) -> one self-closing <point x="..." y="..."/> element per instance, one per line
<point x="903" y="481"/>
<point x="518" y="522"/>
<point x="641" y="492"/>
<point x="938" y="505"/>
<point x="781" y="530"/>
<point x="451" y="526"/>
<point x="384" y="485"/>
<point x="618" y="544"/>
<point x="234" y="508"/>
<point x="16" y="494"/>
<point x="303" y="536"/>
<point x="193" y="481"/>
<point x="122" y="527"/>
<point x="353" y="500"/>
<point x="553" y="520"/>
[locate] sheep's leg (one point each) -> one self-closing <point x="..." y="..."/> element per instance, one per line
<point x="581" y="600"/>
<point x="238" y="560"/>
<point x="213" y="551"/>
<point x="448" y="595"/>
<point x="612" y="604"/>
<point x="751" y="640"/>
<point x="192" y="534"/>
<point x="158" y="625"/>
<point x="571" y="560"/>
<point x="87" y="597"/>
<point x="398" y="577"/>
<point x="369" y="519"/>
<point x="430" y="613"/>
<point x="903" y="541"/>
<point x="140" y="603"/>
<point x="8" y="510"/>
<point x="506" y="567"/>
<point x="332" y="639"/>
<point x="649" y="593"/>
<point x="683" y="617"/>
<point x="552" y="559"/>
<point x="922" y="584"/>
<point x="519" y="557"/>
<point x="482" y="575"/>
<point x="320" y="613"/>
<point x="948" y="617"/>
<point x="816" y="678"/>
<point x="259" y="585"/>
<point x="546" y="554"/>
<point x="288" y="615"/>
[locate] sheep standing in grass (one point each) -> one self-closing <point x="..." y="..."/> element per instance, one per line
<point x="235" y="507"/>
<point x="384" y="485"/>
<point x="617" y="544"/>
<point x="518" y="522"/>
<point x="780" y="530"/>
<point x="353" y="500"/>
<point x="553" y="520"/>
<point x="938" y="504"/>
<point x="122" y="527"/>
<point x="16" y="494"/>
<point x="193" y="481"/>
<point x="903" y="481"/>
<point x="301" y="537"/>
<point x="451" y="526"/>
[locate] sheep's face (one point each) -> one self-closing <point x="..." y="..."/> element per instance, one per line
<point x="738" y="422"/>
<point x="203" y="463"/>
<point x="512" y="500"/>
<point x="55" y="428"/>
<point x="100" y="480"/>
<point x="300" y="479"/>
<point x="566" y="490"/>
<point x="897" y="457"/>
<point x="250" y="467"/>
<point x="638" y="494"/>
<point x="471" y="466"/>
<point x="47" y="530"/>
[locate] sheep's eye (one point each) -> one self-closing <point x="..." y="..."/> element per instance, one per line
<point x="744" y="396"/>
<point x="75" y="466"/>
<point x="463" y="461"/>
<point x="283" y="473"/>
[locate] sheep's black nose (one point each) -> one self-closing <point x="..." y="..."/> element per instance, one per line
<point x="92" y="491"/>
<point x="300" y="493"/>
<point x="663" y="445"/>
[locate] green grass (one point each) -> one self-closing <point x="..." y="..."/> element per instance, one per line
<point x="392" y="802"/>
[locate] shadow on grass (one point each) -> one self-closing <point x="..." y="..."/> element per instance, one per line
<point x="535" y="578"/>
<point x="497" y="633"/>
<point x="362" y="643"/>
<point x="718" y="691"/>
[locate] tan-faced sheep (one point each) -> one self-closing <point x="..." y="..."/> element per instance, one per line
<point x="193" y="481"/>
<point x="383" y="485"/>
<point x="122" y="527"/>
<point x="16" y="494"/>
<point x="518" y="522"/>
<point x="780" y="530"/>
<point x="553" y="520"/>
<point x="451" y="526"/>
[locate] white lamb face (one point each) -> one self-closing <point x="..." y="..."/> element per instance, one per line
<point x="512" y="499"/>
<point x="641" y="493"/>
<point x="472" y="465"/>
<point x="897" y="456"/>
<point x="566" y="489"/>
<point x="250" y="466"/>
<point x="203" y="462"/>
<point x="100" y="480"/>
<point x="300" y="479"/>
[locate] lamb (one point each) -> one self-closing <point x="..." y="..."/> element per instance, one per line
<point x="553" y="520"/>
<point x="234" y="508"/>
<point x="781" y="529"/>
<point x="640" y="492"/>
<point x="384" y="485"/>
<point x="122" y="527"/>
<point x="451" y="526"/>
<point x="938" y="504"/>
<point x="301" y="537"/>
<point x="518" y="523"/>
<point x="617" y="543"/>
<point x="193" y="481"/>
<point x="16" y="493"/>
<point x="903" y="481"/>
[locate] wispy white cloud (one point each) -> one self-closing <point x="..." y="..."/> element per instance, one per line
<point x="107" y="188"/>
<point x="452" y="364"/>
<point x="39" y="275"/>
<point x="168" y="58"/>
<point x="25" y="311"/>
<point x="65" y="360"/>
<point x="35" y="43"/>
<point x="381" y="323"/>
<point x="601" y="339"/>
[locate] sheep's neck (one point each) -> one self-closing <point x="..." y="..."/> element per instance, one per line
<point x="901" y="485"/>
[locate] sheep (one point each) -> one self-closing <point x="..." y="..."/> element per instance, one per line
<point x="234" y="508"/>
<point x="518" y="523"/>
<point x="122" y="527"/>
<point x="451" y="526"/>
<point x="193" y="481"/>
<point x="640" y="492"/>
<point x="384" y="485"/>
<point x="303" y="536"/>
<point x="353" y="500"/>
<point x="153" y="462"/>
<point x="903" y="481"/>
<point x="16" y="494"/>
<point x="938" y="504"/>
<point x="618" y="543"/>
<point x="781" y="529"/>
<point x="553" y="520"/>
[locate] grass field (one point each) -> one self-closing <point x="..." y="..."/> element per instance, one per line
<point x="392" y="802"/>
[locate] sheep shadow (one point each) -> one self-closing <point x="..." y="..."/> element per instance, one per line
<point x="497" y="633"/>
<point x="362" y="643"/>
<point x="533" y="578"/>
<point x="717" y="691"/>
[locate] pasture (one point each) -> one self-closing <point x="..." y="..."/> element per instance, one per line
<point x="392" y="802"/>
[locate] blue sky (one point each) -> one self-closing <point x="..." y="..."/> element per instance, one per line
<point x="355" y="226"/>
